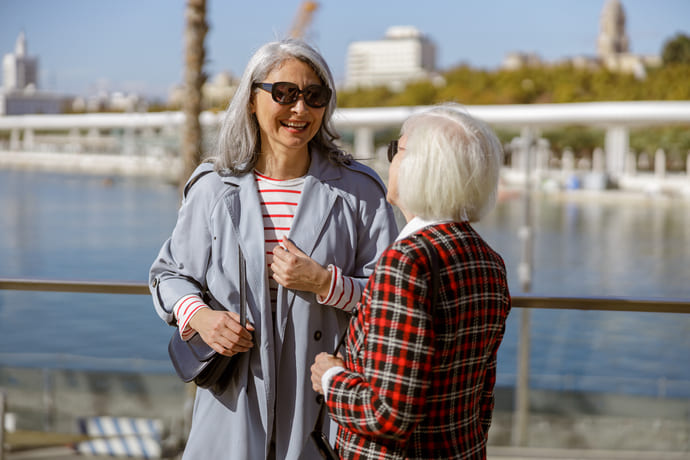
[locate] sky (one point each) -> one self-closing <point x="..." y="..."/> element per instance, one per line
<point x="85" y="46"/>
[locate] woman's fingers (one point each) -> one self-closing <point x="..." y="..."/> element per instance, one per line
<point x="224" y="333"/>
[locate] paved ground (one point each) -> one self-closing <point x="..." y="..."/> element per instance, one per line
<point x="495" y="453"/>
<point x="561" y="425"/>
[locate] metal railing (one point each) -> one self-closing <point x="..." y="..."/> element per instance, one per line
<point x="656" y="305"/>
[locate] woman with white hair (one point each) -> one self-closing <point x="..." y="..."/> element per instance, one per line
<point x="310" y="223"/>
<point x="417" y="377"/>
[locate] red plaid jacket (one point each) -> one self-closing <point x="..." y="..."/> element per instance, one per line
<point x="419" y="378"/>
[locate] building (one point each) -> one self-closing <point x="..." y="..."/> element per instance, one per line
<point x="613" y="49"/>
<point x="20" y="92"/>
<point x="19" y="70"/>
<point x="613" y="44"/>
<point x="404" y="55"/>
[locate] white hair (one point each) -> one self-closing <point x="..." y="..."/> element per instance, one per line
<point x="238" y="136"/>
<point x="451" y="165"/>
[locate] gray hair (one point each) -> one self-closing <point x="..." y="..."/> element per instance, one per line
<point x="238" y="135"/>
<point x="451" y="165"/>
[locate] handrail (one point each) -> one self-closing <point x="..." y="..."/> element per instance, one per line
<point x="624" y="113"/>
<point x="98" y="287"/>
<point x="653" y="305"/>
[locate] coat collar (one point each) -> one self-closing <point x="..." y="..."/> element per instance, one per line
<point x="316" y="202"/>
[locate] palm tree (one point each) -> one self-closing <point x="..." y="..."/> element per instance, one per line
<point x="194" y="78"/>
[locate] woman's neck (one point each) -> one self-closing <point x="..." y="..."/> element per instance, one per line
<point x="283" y="166"/>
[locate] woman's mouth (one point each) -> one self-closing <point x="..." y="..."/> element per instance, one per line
<point x="295" y="125"/>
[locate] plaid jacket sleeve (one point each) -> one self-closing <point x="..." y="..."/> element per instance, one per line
<point x="383" y="392"/>
<point x="488" y="399"/>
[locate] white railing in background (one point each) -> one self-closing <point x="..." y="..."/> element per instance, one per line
<point x="154" y="136"/>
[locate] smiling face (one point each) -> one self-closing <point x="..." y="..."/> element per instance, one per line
<point x="287" y="129"/>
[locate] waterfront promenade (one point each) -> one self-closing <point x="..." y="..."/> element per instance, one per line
<point x="561" y="425"/>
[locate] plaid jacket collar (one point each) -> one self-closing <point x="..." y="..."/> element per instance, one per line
<point x="416" y="224"/>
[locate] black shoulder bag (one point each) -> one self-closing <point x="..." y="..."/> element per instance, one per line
<point x="193" y="359"/>
<point x="317" y="435"/>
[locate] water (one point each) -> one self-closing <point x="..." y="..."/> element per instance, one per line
<point x="89" y="228"/>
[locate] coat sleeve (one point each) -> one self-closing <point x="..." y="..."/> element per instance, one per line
<point x="386" y="399"/>
<point x="376" y="230"/>
<point x="181" y="265"/>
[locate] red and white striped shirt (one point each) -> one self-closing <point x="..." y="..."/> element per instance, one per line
<point x="279" y="200"/>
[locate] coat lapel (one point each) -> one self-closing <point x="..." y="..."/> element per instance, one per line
<point x="316" y="203"/>
<point x="245" y="213"/>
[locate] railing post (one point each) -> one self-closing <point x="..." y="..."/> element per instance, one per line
<point x="364" y="142"/>
<point x="660" y="164"/>
<point x="521" y="415"/>
<point x="28" y="141"/>
<point x="48" y="400"/>
<point x="15" y="143"/>
<point x="617" y="144"/>
<point x="2" y="425"/>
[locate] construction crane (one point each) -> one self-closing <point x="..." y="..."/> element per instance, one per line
<point x="303" y="19"/>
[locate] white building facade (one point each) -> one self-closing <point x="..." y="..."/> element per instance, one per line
<point x="20" y="94"/>
<point x="403" y="56"/>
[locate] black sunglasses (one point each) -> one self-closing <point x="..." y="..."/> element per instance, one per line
<point x="286" y="93"/>
<point x="392" y="150"/>
<point x="320" y="439"/>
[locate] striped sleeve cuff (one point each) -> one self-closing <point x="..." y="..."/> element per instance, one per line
<point x="344" y="292"/>
<point x="184" y="309"/>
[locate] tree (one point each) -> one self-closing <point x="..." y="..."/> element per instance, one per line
<point x="194" y="78"/>
<point x="677" y="50"/>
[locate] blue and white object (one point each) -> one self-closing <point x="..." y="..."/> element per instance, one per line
<point x="121" y="437"/>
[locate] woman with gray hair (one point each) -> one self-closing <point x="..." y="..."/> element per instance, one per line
<point x="310" y="223"/>
<point x="417" y="377"/>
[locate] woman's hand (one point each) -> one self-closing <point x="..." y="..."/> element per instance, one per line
<point x="222" y="331"/>
<point x="294" y="269"/>
<point x="322" y="363"/>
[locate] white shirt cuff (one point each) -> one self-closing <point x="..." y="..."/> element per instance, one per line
<point x="327" y="376"/>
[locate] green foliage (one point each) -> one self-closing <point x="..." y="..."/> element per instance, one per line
<point x="676" y="50"/>
<point x="581" y="140"/>
<point x="532" y="85"/>
<point x="556" y="84"/>
<point x="374" y="97"/>
<point x="674" y="139"/>
<point x="420" y="93"/>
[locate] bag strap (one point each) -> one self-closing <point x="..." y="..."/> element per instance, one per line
<point x="243" y="287"/>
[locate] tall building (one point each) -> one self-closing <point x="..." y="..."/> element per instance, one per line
<point x="20" y="94"/>
<point x="19" y="70"/>
<point x="613" y="48"/>
<point x="612" y="36"/>
<point x="613" y="45"/>
<point x="402" y="56"/>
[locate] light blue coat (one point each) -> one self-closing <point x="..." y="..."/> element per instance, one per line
<point x="342" y="219"/>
